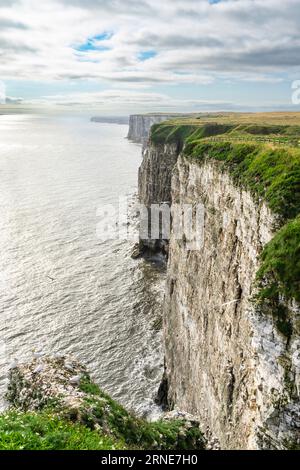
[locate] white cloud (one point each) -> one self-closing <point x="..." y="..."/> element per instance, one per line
<point x="124" y="101"/>
<point x="195" y="42"/>
<point x="2" y="93"/>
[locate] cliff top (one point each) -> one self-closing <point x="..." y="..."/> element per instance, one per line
<point x="176" y="115"/>
<point x="266" y="119"/>
<point x="262" y="156"/>
<point x="271" y="128"/>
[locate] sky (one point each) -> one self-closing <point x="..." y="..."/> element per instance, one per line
<point x="124" y="56"/>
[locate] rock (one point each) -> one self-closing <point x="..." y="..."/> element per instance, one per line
<point x="181" y="415"/>
<point x="33" y="385"/>
<point x="209" y="317"/>
<point x="162" y="394"/>
<point x="155" y="187"/>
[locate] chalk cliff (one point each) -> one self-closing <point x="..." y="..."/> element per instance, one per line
<point x="140" y="125"/>
<point x="228" y="361"/>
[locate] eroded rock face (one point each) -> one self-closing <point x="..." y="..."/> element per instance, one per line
<point x="154" y="185"/>
<point x="225" y="361"/>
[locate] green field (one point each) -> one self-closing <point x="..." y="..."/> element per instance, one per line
<point x="269" y="128"/>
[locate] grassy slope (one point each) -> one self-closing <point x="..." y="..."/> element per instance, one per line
<point x="48" y="431"/>
<point x="135" y="432"/>
<point x="271" y="173"/>
<point x="100" y="423"/>
<point x="262" y="153"/>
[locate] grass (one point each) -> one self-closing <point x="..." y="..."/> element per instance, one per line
<point x="280" y="265"/>
<point x="283" y="127"/>
<point x="172" y="133"/>
<point x="262" y="120"/>
<point x="99" y="424"/>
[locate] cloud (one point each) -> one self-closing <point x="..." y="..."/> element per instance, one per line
<point x="136" y="7"/>
<point x="2" y="92"/>
<point x="127" y="100"/>
<point x="8" y="3"/>
<point x="8" y="47"/>
<point x="190" y="42"/>
<point x="12" y="100"/>
<point x="7" y="23"/>
<point x="122" y="102"/>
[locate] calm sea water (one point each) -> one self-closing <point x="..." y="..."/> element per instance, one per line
<point x="62" y="289"/>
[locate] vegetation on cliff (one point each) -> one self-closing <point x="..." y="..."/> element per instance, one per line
<point x="281" y="263"/>
<point x="270" y="173"/>
<point x="55" y="405"/>
<point x="261" y="152"/>
<point x="278" y="127"/>
<point x="279" y="275"/>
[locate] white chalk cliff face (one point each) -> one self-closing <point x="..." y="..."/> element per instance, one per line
<point x="155" y="174"/>
<point x="226" y="362"/>
<point x="154" y="185"/>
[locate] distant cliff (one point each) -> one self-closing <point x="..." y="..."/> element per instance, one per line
<point x="140" y="125"/>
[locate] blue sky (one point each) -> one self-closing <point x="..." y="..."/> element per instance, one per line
<point x="146" y="55"/>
